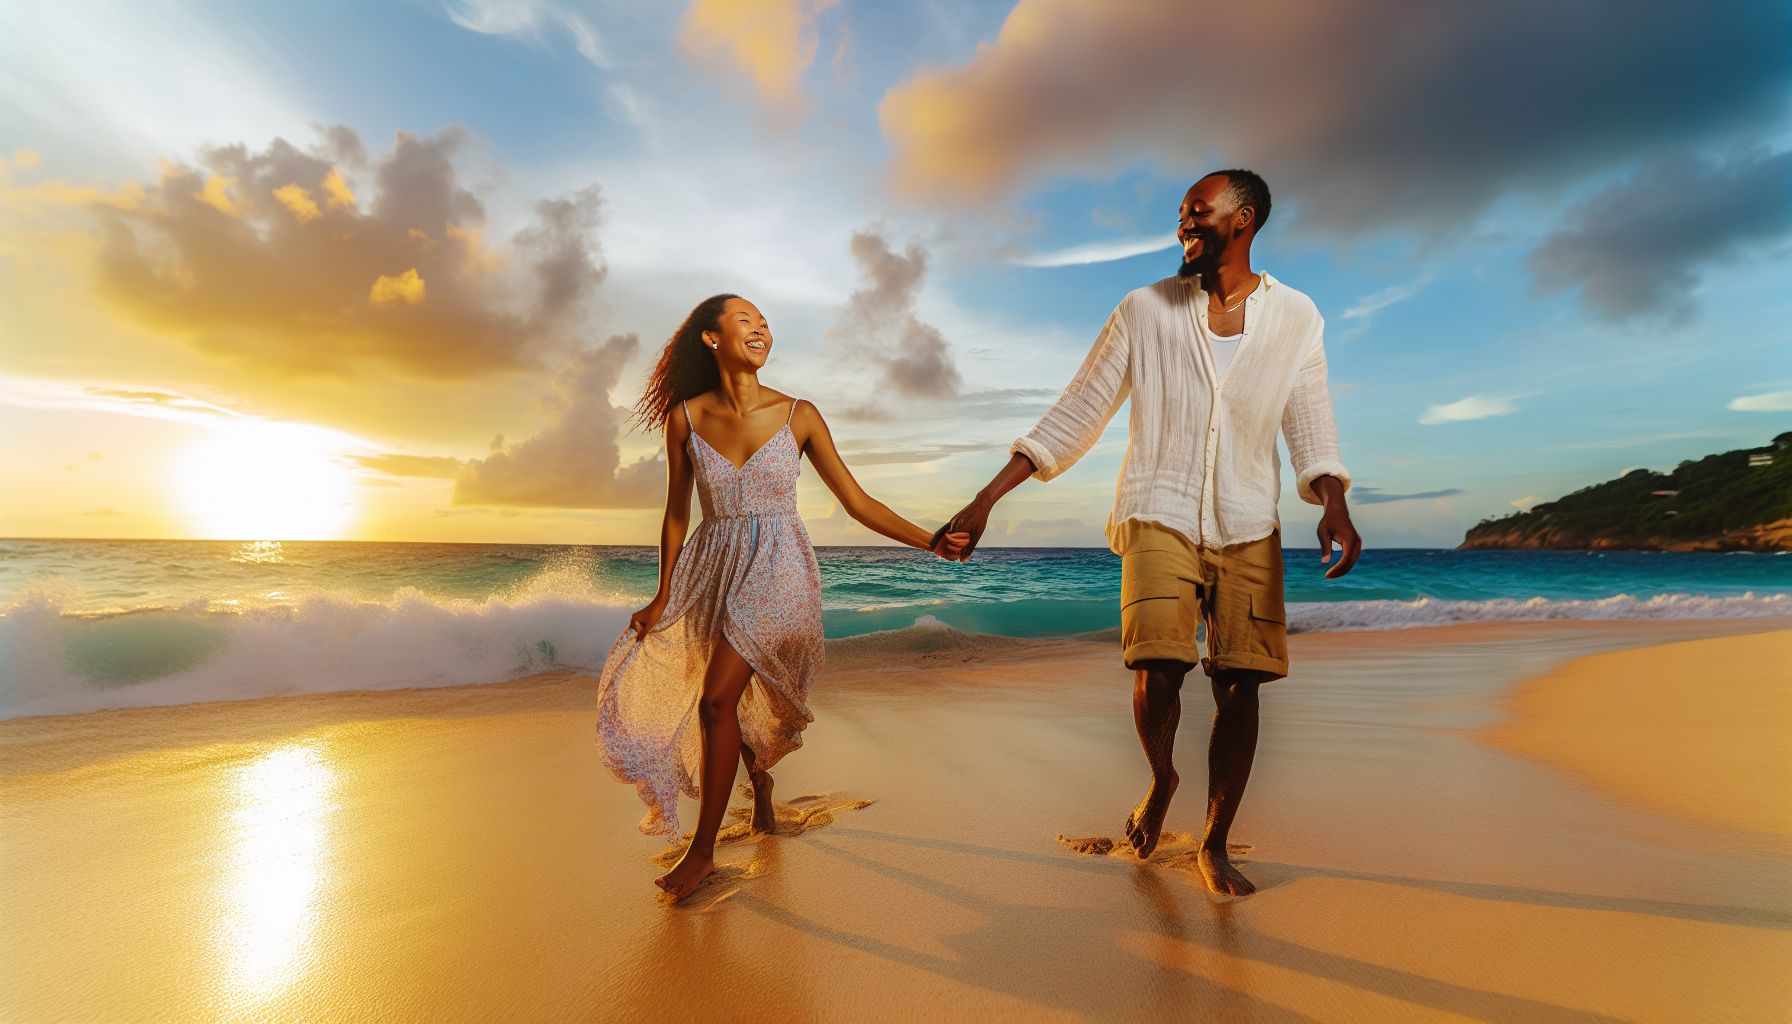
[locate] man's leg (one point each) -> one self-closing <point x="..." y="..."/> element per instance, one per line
<point x="1156" y="711"/>
<point x="1230" y="754"/>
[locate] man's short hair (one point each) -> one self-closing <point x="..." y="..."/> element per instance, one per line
<point x="1247" y="188"/>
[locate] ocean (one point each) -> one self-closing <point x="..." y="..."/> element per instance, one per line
<point x="89" y="625"/>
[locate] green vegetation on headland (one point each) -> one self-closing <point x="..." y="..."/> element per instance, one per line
<point x="1736" y="501"/>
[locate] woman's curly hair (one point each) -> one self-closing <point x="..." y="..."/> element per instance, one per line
<point x="687" y="368"/>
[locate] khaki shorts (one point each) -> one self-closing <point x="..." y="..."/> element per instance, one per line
<point x="1167" y="585"/>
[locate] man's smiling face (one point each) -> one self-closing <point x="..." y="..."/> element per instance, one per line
<point x="1207" y="225"/>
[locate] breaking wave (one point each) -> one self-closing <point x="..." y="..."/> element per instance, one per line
<point x="62" y="662"/>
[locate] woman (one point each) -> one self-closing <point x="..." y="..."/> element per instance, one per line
<point x="732" y="639"/>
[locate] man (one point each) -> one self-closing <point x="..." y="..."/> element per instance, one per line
<point x="1214" y="360"/>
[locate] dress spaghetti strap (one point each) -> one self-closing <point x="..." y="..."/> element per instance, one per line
<point x="686" y="406"/>
<point x="787" y="419"/>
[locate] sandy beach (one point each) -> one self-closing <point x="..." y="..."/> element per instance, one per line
<point x="1456" y="823"/>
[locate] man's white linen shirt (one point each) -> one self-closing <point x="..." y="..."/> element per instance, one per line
<point x="1201" y="456"/>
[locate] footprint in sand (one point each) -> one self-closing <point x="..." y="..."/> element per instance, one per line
<point x="789" y="819"/>
<point x="1174" y="850"/>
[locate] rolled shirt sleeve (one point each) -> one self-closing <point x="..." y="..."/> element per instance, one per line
<point x="1075" y="422"/>
<point x="1312" y="429"/>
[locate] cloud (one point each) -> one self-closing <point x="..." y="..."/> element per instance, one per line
<point x="151" y="403"/>
<point x="1374" y="495"/>
<point x="103" y="510"/>
<point x="1369" y="305"/>
<point x="575" y="462"/>
<point x="427" y="467"/>
<point x="527" y="20"/>
<point x="1524" y="503"/>
<point x="1475" y="407"/>
<point x="1635" y="248"/>
<point x="1097" y="252"/>
<point x="1773" y="401"/>
<point x="767" y="43"/>
<point x="270" y="259"/>
<point x="1405" y="113"/>
<point x="879" y="324"/>
<point x="899" y="450"/>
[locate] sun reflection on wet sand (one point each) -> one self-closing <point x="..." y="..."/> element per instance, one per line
<point x="276" y="833"/>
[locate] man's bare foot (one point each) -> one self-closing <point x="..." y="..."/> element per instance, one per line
<point x="764" y="821"/>
<point x="1147" y="819"/>
<point x="686" y="875"/>
<point x="1220" y="877"/>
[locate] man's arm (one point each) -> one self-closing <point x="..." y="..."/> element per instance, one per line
<point x="1319" y="473"/>
<point x="1063" y="435"/>
<point x="974" y="517"/>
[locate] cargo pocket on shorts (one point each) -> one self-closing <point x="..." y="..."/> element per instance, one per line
<point x="1158" y="608"/>
<point x="1270" y="625"/>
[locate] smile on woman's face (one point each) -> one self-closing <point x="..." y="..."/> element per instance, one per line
<point x="744" y="337"/>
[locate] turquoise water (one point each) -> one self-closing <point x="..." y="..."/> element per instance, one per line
<point x="110" y="623"/>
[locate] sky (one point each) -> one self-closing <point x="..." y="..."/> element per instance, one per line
<point x="396" y="270"/>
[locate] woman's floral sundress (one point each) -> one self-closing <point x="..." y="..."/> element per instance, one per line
<point x="748" y="573"/>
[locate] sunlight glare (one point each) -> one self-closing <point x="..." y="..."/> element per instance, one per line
<point x="268" y="481"/>
<point x="278" y="832"/>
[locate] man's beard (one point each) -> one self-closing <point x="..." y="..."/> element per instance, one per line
<point x="1202" y="266"/>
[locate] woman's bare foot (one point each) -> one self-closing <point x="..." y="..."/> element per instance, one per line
<point x="764" y="821"/>
<point x="1218" y="874"/>
<point x="1147" y="820"/>
<point x="686" y="875"/>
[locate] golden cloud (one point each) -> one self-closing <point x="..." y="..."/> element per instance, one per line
<point x="299" y="201"/>
<point x="390" y="291"/>
<point x="216" y="194"/>
<point x="769" y="43"/>
<point x="270" y="259"/>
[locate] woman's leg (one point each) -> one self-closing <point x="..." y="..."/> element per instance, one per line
<point x="763" y="818"/>
<point x="716" y="712"/>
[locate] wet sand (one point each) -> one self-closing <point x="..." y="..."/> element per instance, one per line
<point x="457" y="854"/>
<point x="1715" y="717"/>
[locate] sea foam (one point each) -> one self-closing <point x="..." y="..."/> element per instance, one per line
<point x="1340" y="616"/>
<point x="61" y="662"/>
<point x="57" y="663"/>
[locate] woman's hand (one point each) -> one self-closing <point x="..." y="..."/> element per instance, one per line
<point x="642" y="622"/>
<point x="950" y="546"/>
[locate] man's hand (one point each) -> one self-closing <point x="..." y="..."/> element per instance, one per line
<point x="1335" y="526"/>
<point x="972" y="519"/>
<point x="950" y="546"/>
<point x="968" y="524"/>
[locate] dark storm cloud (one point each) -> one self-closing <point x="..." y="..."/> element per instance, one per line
<point x="575" y="462"/>
<point x="879" y="324"/>
<point x="1635" y="248"/>
<point x="315" y="262"/>
<point x="1392" y="113"/>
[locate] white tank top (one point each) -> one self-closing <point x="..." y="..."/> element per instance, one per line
<point x="1223" y="350"/>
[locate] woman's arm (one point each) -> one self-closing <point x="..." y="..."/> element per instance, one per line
<point x="812" y="433"/>
<point x="676" y="522"/>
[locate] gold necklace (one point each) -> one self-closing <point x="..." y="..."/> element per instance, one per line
<point x="1227" y="309"/>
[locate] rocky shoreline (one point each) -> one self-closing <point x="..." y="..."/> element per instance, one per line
<point x="1765" y="538"/>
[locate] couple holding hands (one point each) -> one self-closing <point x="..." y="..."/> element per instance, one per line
<point x="1215" y="359"/>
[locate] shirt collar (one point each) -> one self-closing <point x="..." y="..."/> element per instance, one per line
<point x="1268" y="282"/>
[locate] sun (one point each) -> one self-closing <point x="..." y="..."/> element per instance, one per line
<point x="268" y="481"/>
